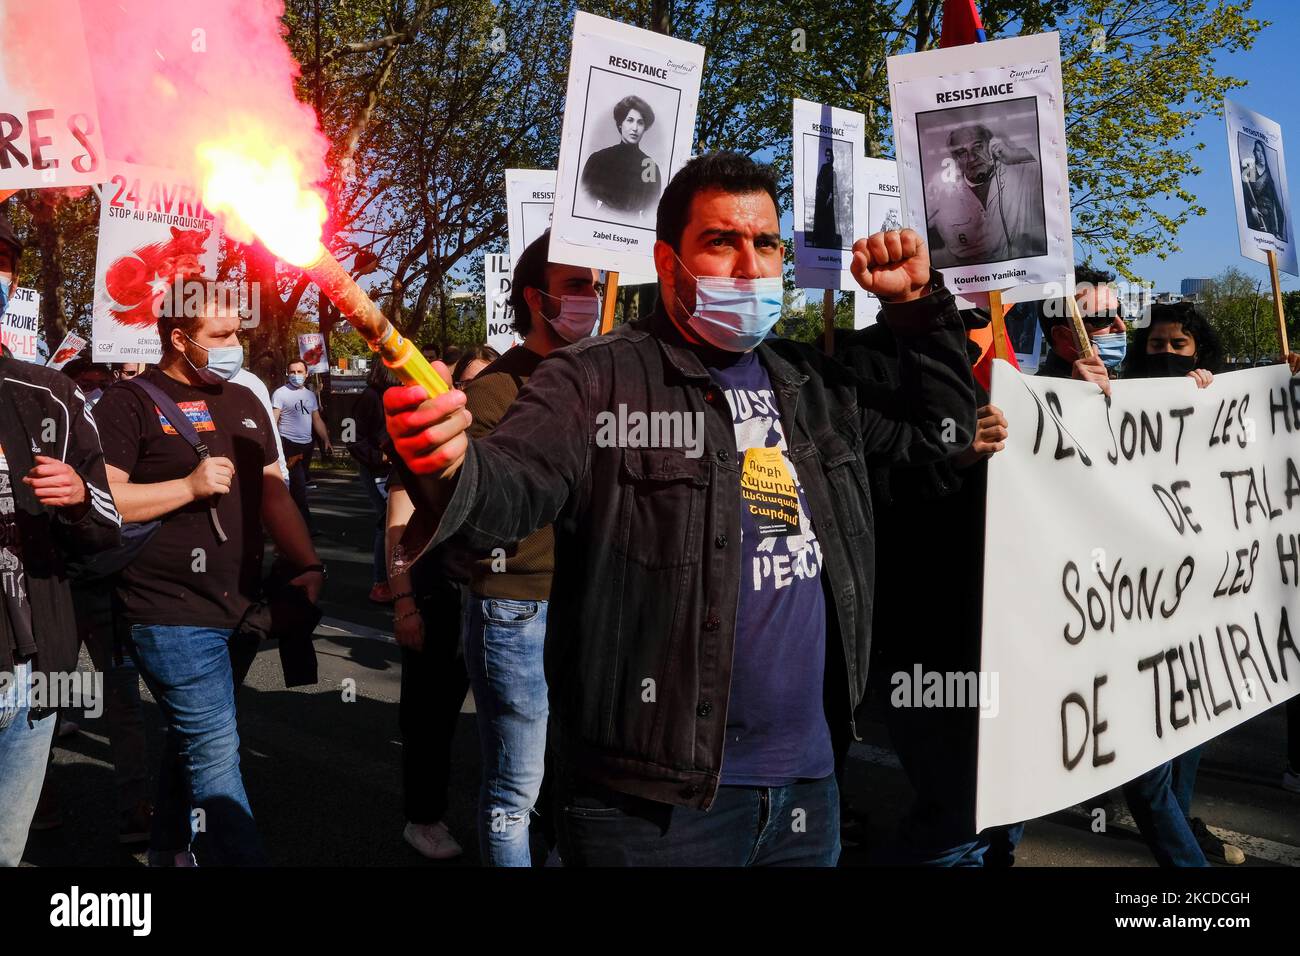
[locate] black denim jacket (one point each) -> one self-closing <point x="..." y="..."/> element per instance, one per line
<point x="640" y="627"/>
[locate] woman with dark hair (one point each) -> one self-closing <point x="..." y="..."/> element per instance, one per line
<point x="368" y="448"/>
<point x="1178" y="341"/>
<point x="426" y="625"/>
<point x="623" y="176"/>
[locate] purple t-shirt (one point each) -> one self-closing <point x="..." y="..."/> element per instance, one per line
<point x="776" y="727"/>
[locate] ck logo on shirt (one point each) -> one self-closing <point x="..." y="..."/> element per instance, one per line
<point x="196" y="412"/>
<point x="249" y="423"/>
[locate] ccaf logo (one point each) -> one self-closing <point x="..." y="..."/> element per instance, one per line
<point x="76" y="909"/>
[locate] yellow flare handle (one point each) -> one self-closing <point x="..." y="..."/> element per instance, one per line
<point x="400" y="354"/>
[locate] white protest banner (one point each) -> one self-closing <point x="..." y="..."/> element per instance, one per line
<point x="71" y="346"/>
<point x="311" y="349"/>
<point x="20" y="327"/>
<point x="1260" y="187"/>
<point x="980" y="138"/>
<point x="629" y="124"/>
<point x="496" y="294"/>
<point x="530" y="197"/>
<point x="830" y="208"/>
<point x="49" y="125"/>
<point x="1141" y="578"/>
<point x="153" y="230"/>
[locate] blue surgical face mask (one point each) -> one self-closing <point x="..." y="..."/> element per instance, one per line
<point x="1111" y="348"/>
<point x="735" y="314"/>
<point x="223" y="363"/>
<point x="4" y="296"/>
<point x="297" y="380"/>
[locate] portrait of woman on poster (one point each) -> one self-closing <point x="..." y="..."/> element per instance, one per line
<point x="623" y="177"/>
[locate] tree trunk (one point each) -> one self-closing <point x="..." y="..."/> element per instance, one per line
<point x="49" y="241"/>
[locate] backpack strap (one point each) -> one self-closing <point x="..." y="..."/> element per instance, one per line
<point x="185" y="428"/>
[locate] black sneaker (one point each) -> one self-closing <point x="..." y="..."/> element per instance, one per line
<point x="1214" y="848"/>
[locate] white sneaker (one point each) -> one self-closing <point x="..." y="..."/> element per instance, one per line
<point x="432" y="840"/>
<point x="1291" y="781"/>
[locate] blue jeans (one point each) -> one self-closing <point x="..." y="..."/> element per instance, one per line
<point x="503" y="655"/>
<point x="24" y="751"/>
<point x="1160" y="801"/>
<point x="187" y="669"/>
<point x="794" y="825"/>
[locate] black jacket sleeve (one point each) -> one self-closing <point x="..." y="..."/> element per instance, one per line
<point x="521" y="476"/>
<point x="99" y="527"/>
<point x="929" y="413"/>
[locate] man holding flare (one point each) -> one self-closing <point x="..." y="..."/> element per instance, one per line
<point x="709" y="625"/>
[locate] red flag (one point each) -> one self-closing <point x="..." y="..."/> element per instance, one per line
<point x="961" y="24"/>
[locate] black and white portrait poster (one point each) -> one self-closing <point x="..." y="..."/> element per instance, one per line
<point x="1259" y="185"/>
<point x="878" y="183"/>
<point x="980" y="138"/>
<point x="629" y="123"/>
<point x="829" y="207"/>
<point x="530" y="198"/>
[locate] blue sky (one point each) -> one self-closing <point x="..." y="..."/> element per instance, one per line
<point x="1209" y="242"/>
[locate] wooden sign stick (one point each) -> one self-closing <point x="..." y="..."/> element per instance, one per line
<point x="607" y="307"/>
<point x="999" y="316"/>
<point x="828" y="321"/>
<point x="1277" y="304"/>
<point x="1082" y="341"/>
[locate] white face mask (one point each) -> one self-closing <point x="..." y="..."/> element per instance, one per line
<point x="223" y="363"/>
<point x="578" y="318"/>
<point x="734" y="314"/>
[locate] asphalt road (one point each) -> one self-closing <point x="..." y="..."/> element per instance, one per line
<point x="322" y="770"/>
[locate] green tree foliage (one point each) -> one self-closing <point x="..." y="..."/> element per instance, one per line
<point x="1241" y="310"/>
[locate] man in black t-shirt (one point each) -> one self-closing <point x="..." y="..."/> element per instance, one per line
<point x="185" y="593"/>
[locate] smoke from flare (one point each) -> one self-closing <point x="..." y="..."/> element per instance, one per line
<point x="206" y="88"/>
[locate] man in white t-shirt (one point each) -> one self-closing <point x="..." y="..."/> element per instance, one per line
<point x="297" y="415"/>
<point x="255" y="385"/>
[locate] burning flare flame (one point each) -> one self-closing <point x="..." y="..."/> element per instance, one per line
<point x="258" y="190"/>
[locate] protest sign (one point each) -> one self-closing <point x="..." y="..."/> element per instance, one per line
<point x="530" y="198"/>
<point x="1156" y="601"/>
<point x="628" y="127"/>
<point x="878" y="182"/>
<point x="830" y="207"/>
<point x="311" y="349"/>
<point x="49" y="127"/>
<point x="496" y="293"/>
<point x="71" y="346"/>
<point x="1259" y="185"/>
<point x="980" y="137"/>
<point x="20" y="327"/>
<point x="153" y="230"/>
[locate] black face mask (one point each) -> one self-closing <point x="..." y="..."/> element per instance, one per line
<point x="1168" y="365"/>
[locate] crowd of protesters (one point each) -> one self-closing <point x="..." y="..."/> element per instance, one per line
<point x="668" y="654"/>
